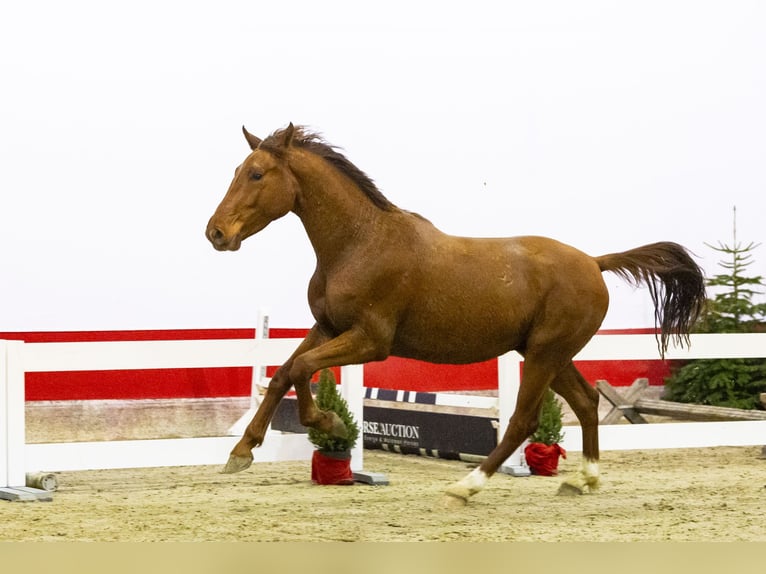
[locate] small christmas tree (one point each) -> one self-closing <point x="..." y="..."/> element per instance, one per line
<point x="549" y="431"/>
<point x="726" y="382"/>
<point x="328" y="399"/>
<point x="543" y="451"/>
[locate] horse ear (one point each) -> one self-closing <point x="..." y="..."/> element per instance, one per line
<point x="287" y="138"/>
<point x="252" y="140"/>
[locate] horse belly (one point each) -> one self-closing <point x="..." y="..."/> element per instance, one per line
<point x="458" y="335"/>
<point x="449" y="354"/>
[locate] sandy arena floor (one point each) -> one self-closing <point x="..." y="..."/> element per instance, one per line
<point x="678" y="495"/>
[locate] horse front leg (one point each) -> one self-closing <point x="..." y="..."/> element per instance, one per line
<point x="351" y="347"/>
<point x="241" y="456"/>
<point x="315" y="353"/>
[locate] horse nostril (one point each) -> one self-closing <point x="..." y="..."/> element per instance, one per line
<point x="215" y="234"/>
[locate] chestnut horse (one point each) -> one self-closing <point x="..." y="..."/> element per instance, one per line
<point x="387" y="282"/>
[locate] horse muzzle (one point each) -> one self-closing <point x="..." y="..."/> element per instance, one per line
<point x="221" y="241"/>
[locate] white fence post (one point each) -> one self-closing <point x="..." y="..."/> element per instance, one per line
<point x="352" y="390"/>
<point x="259" y="374"/>
<point x="4" y="412"/>
<point x="12" y="425"/>
<point x="508" y="383"/>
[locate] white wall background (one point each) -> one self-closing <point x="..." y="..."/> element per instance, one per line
<point x="603" y="124"/>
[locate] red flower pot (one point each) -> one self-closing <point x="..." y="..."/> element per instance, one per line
<point x="331" y="468"/>
<point x="543" y="459"/>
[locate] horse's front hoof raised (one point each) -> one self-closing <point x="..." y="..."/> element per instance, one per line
<point x="237" y="464"/>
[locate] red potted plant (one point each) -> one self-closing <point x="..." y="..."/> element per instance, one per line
<point x="331" y="462"/>
<point x="543" y="451"/>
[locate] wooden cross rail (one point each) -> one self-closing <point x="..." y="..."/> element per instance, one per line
<point x="631" y="406"/>
<point x="622" y="405"/>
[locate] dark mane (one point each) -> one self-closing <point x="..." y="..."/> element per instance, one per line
<point x="314" y="143"/>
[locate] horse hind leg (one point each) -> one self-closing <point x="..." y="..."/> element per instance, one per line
<point x="536" y="379"/>
<point x="583" y="399"/>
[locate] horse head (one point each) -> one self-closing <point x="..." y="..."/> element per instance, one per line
<point x="263" y="189"/>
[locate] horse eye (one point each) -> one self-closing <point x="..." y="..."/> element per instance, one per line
<point x="255" y="176"/>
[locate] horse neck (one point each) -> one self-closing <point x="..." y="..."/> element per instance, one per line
<point x="334" y="211"/>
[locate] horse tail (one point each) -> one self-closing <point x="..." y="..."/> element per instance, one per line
<point x="675" y="282"/>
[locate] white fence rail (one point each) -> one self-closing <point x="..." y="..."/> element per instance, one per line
<point x="634" y="437"/>
<point x="17" y="358"/>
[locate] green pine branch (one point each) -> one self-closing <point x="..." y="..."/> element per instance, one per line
<point x="549" y="430"/>
<point x="733" y="383"/>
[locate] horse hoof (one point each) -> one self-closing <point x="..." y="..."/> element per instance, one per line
<point x="237" y="464"/>
<point x="568" y="489"/>
<point x="338" y="429"/>
<point x="452" y="501"/>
